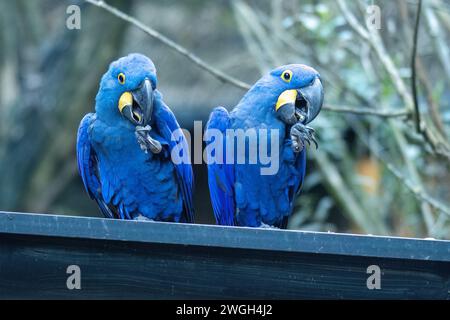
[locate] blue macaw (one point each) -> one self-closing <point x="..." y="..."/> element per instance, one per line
<point x="124" y="148"/>
<point x="286" y="100"/>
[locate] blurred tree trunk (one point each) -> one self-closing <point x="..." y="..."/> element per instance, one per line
<point x="57" y="94"/>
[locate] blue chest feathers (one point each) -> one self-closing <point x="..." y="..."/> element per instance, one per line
<point x="136" y="182"/>
<point x="266" y="197"/>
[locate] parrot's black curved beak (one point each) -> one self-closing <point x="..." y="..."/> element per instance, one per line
<point x="301" y="105"/>
<point x="309" y="102"/>
<point x="137" y="105"/>
<point x="143" y="96"/>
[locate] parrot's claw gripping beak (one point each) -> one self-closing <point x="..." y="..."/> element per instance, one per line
<point x="146" y="142"/>
<point x="297" y="108"/>
<point x="300" y="134"/>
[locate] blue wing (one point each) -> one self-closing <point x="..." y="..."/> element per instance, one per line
<point x="298" y="169"/>
<point x="167" y="125"/>
<point x="88" y="166"/>
<point x="221" y="176"/>
<point x="299" y="177"/>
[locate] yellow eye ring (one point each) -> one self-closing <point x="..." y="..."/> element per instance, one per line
<point x="286" y="76"/>
<point x="121" y="78"/>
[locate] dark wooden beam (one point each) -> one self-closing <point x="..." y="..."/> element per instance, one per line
<point x="128" y="259"/>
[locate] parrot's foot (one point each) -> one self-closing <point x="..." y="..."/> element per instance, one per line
<point x="146" y="142"/>
<point x="141" y="218"/>
<point x="266" y="226"/>
<point x="300" y="134"/>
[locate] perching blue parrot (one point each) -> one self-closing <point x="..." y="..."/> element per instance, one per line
<point x="124" y="148"/>
<point x="285" y="100"/>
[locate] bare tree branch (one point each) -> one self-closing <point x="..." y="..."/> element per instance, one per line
<point x="437" y="36"/>
<point x="421" y="194"/>
<point x="418" y="192"/>
<point x="347" y="200"/>
<point x="438" y="146"/>
<point x="422" y="72"/>
<point x="373" y="145"/>
<point x="368" y="112"/>
<point x="225" y="77"/>
<point x="417" y="119"/>
<point x="372" y="37"/>
<point x="432" y="140"/>
<point x="171" y="44"/>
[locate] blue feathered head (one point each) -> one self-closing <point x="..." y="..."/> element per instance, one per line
<point x="127" y="91"/>
<point x="294" y="93"/>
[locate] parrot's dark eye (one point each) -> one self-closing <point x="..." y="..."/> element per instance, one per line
<point x="121" y="78"/>
<point x="286" y="76"/>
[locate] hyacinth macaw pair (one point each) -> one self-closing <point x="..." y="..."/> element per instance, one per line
<point x="126" y="159"/>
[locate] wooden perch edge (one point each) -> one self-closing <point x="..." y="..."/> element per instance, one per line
<point x="128" y="259"/>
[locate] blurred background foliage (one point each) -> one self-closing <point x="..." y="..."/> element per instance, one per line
<point x="374" y="172"/>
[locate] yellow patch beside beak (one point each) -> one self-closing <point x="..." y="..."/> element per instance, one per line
<point x="126" y="99"/>
<point x="286" y="97"/>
